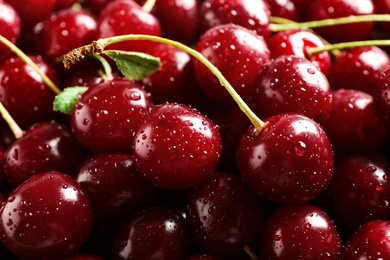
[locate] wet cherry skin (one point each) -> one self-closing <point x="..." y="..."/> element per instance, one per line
<point x="238" y="53"/>
<point x="223" y="214"/>
<point x="290" y="162"/>
<point x="292" y="84"/>
<point x="107" y="114"/>
<point x="381" y="95"/>
<point x="369" y="241"/>
<point x="10" y="26"/>
<point x="176" y="147"/>
<point x="47" y="217"/>
<point x="284" y="8"/>
<point x="299" y="232"/>
<point x="152" y="233"/>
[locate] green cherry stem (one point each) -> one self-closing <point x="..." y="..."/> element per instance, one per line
<point x="16" y="130"/>
<point x="28" y="61"/>
<point x="97" y="47"/>
<point x="282" y="25"/>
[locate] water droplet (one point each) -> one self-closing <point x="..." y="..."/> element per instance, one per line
<point x="311" y="71"/>
<point x="300" y="148"/>
<point x="371" y="169"/>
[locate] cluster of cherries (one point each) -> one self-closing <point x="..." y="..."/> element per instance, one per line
<point x="266" y="140"/>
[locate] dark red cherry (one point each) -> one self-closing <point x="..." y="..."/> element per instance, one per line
<point x="29" y="13"/>
<point x="353" y="122"/>
<point x="10" y="27"/>
<point x="23" y="92"/>
<point x="381" y="95"/>
<point x="369" y="241"/>
<point x="47" y="217"/>
<point x="359" y="68"/>
<point x="325" y="9"/>
<point x="359" y="191"/>
<point x="223" y="214"/>
<point x="292" y="84"/>
<point x="253" y="15"/>
<point x="299" y="232"/>
<point x="47" y="146"/>
<point x="124" y="17"/>
<point x="238" y="53"/>
<point x="284" y="8"/>
<point x="383" y="7"/>
<point x="290" y="162"/>
<point x="297" y="42"/>
<point x="171" y="15"/>
<point x="107" y="114"/>
<point x="153" y="233"/>
<point x="176" y="147"/>
<point x="113" y="185"/>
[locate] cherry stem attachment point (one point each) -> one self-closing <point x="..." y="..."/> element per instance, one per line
<point x="283" y="26"/>
<point x="16" y="130"/>
<point x="29" y="62"/>
<point x="98" y="46"/>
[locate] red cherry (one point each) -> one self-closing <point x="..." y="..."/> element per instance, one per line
<point x="176" y="147"/>
<point x="284" y="8"/>
<point x="10" y="27"/>
<point x="299" y="232"/>
<point x="29" y="13"/>
<point x="290" y="162"/>
<point x="381" y="95"/>
<point x="47" y="217"/>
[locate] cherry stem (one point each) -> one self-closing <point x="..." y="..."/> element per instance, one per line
<point x="277" y="27"/>
<point x="347" y="45"/>
<point x="250" y="252"/>
<point x="107" y="71"/>
<point x="97" y="47"/>
<point x="16" y="130"/>
<point x="148" y="6"/>
<point x="28" y="61"/>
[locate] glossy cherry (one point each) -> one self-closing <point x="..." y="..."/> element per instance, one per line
<point x="292" y="84"/>
<point x="284" y="8"/>
<point x="223" y="214"/>
<point x="176" y="147"/>
<point x="297" y="42"/>
<point x="113" y="185"/>
<point x="299" y="232"/>
<point x="359" y="191"/>
<point x="290" y="162"/>
<point x="253" y="15"/>
<point x="352" y="123"/>
<point x="238" y="53"/>
<point x="381" y="95"/>
<point x="107" y="114"/>
<point x="29" y="13"/>
<point x="153" y="233"/>
<point x="47" y="217"/>
<point x="359" y="68"/>
<point x="47" y="146"/>
<point x="10" y="27"/>
<point x="371" y="240"/>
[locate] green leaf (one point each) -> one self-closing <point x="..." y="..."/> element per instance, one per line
<point x="134" y="65"/>
<point x="65" y="101"/>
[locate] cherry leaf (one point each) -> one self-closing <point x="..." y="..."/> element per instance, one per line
<point x="134" y="65"/>
<point x="66" y="100"/>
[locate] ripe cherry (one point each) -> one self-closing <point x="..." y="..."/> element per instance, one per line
<point x="176" y="147"/>
<point x="107" y="114"/>
<point x="381" y="95"/>
<point x="284" y="8"/>
<point x="47" y="217"/>
<point x="10" y="27"/>
<point x="238" y="53"/>
<point x="28" y="12"/>
<point x="289" y="162"/>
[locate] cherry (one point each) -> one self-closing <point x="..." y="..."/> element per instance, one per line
<point x="10" y="27"/>
<point x="383" y="7"/>
<point x="105" y="117"/>
<point x="176" y="147"/>
<point x="20" y="84"/>
<point x="371" y="240"/>
<point x="47" y="146"/>
<point x="359" y="68"/>
<point x="284" y="8"/>
<point x="359" y="191"/>
<point x="113" y="185"/>
<point x="324" y="9"/>
<point x="153" y="233"/>
<point x="223" y="214"/>
<point x="253" y="15"/>
<point x="292" y="84"/>
<point x="47" y="217"/>
<point x="171" y="15"/>
<point x="124" y="17"/>
<point x="352" y="123"/>
<point x="296" y="42"/>
<point x="381" y="97"/>
<point x="238" y="53"/>
<point x="299" y="232"/>
<point x="289" y="162"/>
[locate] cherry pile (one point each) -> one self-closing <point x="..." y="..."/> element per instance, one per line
<point x="194" y="130"/>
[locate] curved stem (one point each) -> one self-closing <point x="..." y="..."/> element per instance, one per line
<point x="16" y="130"/>
<point x="330" y="22"/>
<point x="28" y="61"/>
<point x="107" y="71"/>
